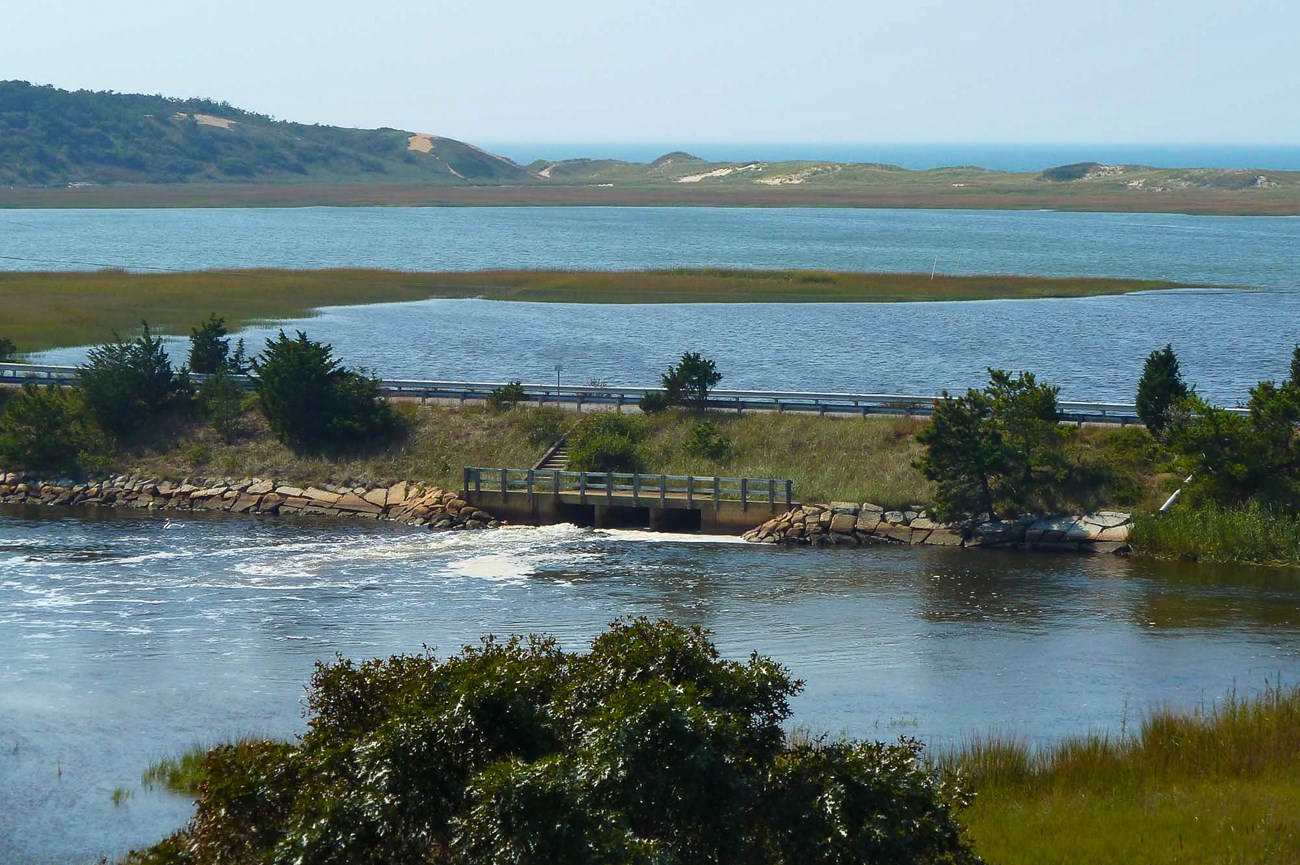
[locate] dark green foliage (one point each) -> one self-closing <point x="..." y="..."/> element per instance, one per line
<point x="128" y="385"/>
<point x="7" y="349"/>
<point x="311" y="400"/>
<point x="1295" y="366"/>
<point x="653" y="402"/>
<point x="222" y="401"/>
<point x="54" y="137"/>
<point x="689" y="382"/>
<point x="995" y="451"/>
<point x="48" y="429"/>
<point x="1235" y="459"/>
<point x="508" y="395"/>
<point x="1159" y="388"/>
<point x="209" y="346"/>
<point x="650" y="749"/>
<point x="606" y="442"/>
<point x="707" y="441"/>
<point x="1067" y="173"/>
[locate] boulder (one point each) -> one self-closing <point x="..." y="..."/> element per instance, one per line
<point x="260" y="488"/>
<point x="378" y="497"/>
<point x="843" y="523"/>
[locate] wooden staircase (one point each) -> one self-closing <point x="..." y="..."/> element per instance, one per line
<point x="556" y="459"/>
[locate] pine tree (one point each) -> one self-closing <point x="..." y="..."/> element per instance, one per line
<point x="1159" y="388"/>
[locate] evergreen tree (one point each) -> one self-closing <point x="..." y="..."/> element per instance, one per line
<point x="128" y="384"/>
<point x="689" y="382"/>
<point x="209" y="345"/>
<point x="1160" y="387"/>
<point x="310" y="399"/>
<point x="995" y="450"/>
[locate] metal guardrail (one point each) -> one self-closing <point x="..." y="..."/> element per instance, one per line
<point x="861" y="404"/>
<point x="642" y="489"/>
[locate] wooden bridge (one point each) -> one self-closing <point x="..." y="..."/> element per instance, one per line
<point x="627" y="500"/>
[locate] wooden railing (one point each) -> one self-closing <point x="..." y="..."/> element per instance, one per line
<point x="635" y="489"/>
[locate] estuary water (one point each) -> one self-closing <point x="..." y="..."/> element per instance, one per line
<point x="125" y="638"/>
<point x="1092" y="348"/>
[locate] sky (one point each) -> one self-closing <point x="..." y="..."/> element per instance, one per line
<point x="1189" y="71"/>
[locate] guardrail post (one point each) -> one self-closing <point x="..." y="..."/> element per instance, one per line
<point x="776" y="404"/>
<point x="530" y="486"/>
<point x="636" y="489"/>
<point x="505" y="485"/>
<point x="690" y="490"/>
<point x="478" y="481"/>
<point x="609" y="489"/>
<point x="555" y="475"/>
<point x="465" y="486"/>
<point x="771" y="493"/>
<point x="717" y="490"/>
<point x="789" y="494"/>
<point x="582" y="487"/>
<point x="663" y="491"/>
<point x="744" y="494"/>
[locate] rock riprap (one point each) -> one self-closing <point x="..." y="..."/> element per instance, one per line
<point x="403" y="502"/>
<point x="851" y="524"/>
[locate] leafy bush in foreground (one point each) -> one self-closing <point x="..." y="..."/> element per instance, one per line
<point x="648" y="749"/>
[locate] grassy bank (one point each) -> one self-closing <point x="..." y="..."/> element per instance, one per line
<point x="829" y="459"/>
<point x="965" y="189"/>
<point x="47" y="310"/>
<point x="1250" y="535"/>
<point x="849" y="459"/>
<point x="1218" y="785"/>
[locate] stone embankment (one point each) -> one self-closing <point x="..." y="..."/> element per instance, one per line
<point x="403" y="502"/>
<point x="841" y="523"/>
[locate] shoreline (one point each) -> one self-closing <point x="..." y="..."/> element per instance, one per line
<point x="1195" y="202"/>
<point x="38" y="302"/>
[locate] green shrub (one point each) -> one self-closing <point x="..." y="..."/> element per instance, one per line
<point x="1159" y="388"/>
<point x="507" y="396"/>
<point x="994" y="451"/>
<point x="311" y="400"/>
<point x="650" y="748"/>
<point x="48" y="428"/>
<point x="689" y="382"/>
<point x="606" y="442"/>
<point x="546" y="425"/>
<point x="8" y="351"/>
<point x="708" y="442"/>
<point x="653" y="402"/>
<point x="222" y="402"/>
<point x="128" y="385"/>
<point x="209" y="345"/>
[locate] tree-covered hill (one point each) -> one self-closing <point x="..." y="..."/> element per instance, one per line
<point x="52" y="137"/>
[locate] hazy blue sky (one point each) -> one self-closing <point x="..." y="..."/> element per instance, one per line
<point x="816" y="70"/>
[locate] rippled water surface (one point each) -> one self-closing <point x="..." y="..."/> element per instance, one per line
<point x="126" y="638"/>
<point x="1092" y="348"/>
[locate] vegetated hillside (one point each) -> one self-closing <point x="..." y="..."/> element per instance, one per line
<point x="124" y="150"/>
<point x="52" y="137"/>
